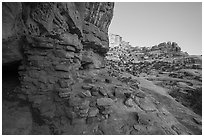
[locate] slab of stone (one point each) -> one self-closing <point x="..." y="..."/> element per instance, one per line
<point x="145" y="104"/>
<point x="104" y="101"/>
<point x="93" y="111"/>
<point x="62" y="67"/>
<point x="70" y="48"/>
<point x="87" y="87"/>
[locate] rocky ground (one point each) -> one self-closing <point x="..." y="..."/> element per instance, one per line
<point x="126" y="104"/>
<point x="180" y="75"/>
<point x="56" y="80"/>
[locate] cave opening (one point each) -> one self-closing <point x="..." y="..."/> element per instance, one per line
<point x="10" y="80"/>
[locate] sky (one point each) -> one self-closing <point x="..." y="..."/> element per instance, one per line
<point x="148" y="24"/>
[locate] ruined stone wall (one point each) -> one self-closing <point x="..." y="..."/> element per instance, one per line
<point x="57" y="39"/>
<point x="52" y="46"/>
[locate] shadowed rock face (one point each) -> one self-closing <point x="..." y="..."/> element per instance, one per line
<point x="11" y="27"/>
<point x="97" y="19"/>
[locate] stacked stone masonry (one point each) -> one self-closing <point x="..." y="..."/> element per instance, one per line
<point x="57" y="39"/>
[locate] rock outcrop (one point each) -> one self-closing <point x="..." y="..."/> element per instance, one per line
<point x="97" y="18"/>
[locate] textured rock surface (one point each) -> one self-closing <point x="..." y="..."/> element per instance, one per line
<point x="97" y="19"/>
<point x="53" y="41"/>
<point x="11" y="32"/>
<point x="164" y="64"/>
<point x="65" y="88"/>
<point x="87" y="20"/>
<point x="16" y="120"/>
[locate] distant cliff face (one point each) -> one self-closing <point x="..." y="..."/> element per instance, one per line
<point x="114" y="40"/>
<point x="117" y="40"/>
<point x="122" y="51"/>
<point x="119" y="47"/>
<point x="166" y="56"/>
